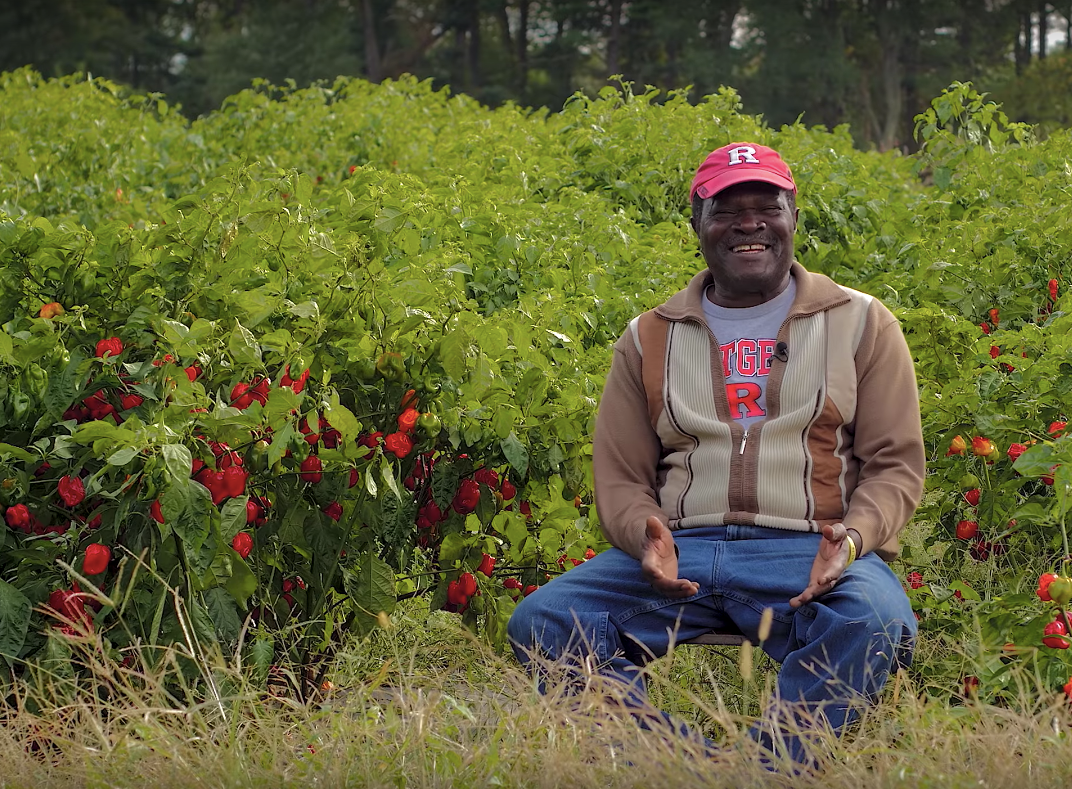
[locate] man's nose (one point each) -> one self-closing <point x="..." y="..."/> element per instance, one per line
<point x="750" y="221"/>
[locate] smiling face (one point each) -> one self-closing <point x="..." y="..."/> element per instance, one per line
<point x="746" y="237"/>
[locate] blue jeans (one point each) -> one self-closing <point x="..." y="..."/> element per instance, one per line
<point x="835" y="651"/>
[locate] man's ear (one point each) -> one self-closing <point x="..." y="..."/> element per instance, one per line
<point x="695" y="222"/>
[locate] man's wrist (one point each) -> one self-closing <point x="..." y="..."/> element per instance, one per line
<point x="857" y="540"/>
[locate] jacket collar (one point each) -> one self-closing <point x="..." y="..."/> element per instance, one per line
<point x="815" y="293"/>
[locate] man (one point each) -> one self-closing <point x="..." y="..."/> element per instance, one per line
<point x="758" y="445"/>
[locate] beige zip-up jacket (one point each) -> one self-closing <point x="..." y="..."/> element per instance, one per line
<point x="842" y="440"/>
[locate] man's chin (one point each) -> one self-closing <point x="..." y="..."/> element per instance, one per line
<point x="749" y="283"/>
<point x="759" y="271"/>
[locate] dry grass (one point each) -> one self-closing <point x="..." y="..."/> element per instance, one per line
<point x="424" y="705"/>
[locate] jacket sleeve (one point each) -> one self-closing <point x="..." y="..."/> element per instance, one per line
<point x="888" y="438"/>
<point x="626" y="452"/>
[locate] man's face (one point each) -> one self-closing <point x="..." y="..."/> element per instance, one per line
<point x="746" y="237"/>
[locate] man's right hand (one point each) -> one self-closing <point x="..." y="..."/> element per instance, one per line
<point x="658" y="561"/>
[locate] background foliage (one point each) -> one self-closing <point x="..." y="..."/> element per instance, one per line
<point x="873" y="64"/>
<point x="411" y="249"/>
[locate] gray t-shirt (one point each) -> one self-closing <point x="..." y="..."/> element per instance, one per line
<point x="748" y="337"/>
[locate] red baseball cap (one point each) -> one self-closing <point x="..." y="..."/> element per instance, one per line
<point x="739" y="162"/>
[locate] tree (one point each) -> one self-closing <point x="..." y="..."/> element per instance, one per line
<point x="870" y="63"/>
<point x="373" y="68"/>
<point x="798" y="59"/>
<point x="131" y="41"/>
<point x="277" y="41"/>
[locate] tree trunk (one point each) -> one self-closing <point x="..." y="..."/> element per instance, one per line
<point x="1023" y="49"/>
<point x="473" y="57"/>
<point x="614" y="38"/>
<point x="720" y="23"/>
<point x="891" y="77"/>
<point x="871" y="127"/>
<point x="892" y="88"/>
<point x="460" y="63"/>
<point x="234" y="15"/>
<point x="910" y="60"/>
<point x="561" y="65"/>
<point x="398" y="62"/>
<point x="373" y="67"/>
<point x="523" y="45"/>
<point x="673" y="52"/>
<point x="1043" y="29"/>
<point x="1027" y="24"/>
<point x="504" y="27"/>
<point x="719" y="20"/>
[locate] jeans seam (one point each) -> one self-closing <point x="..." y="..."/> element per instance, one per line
<point x="603" y="653"/>
<point x="655" y="605"/>
<point x="755" y="606"/>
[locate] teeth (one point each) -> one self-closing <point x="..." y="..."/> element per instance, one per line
<point x="749" y="248"/>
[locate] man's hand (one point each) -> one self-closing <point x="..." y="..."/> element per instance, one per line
<point x="830" y="562"/>
<point x="659" y="561"/>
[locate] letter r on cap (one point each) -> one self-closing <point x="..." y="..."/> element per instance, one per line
<point x="743" y="153"/>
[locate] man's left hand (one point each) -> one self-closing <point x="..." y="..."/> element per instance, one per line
<point x="830" y="562"/>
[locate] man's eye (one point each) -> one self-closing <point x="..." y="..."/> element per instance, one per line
<point x="724" y="216"/>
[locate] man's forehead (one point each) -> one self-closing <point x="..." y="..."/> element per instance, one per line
<point x="746" y="189"/>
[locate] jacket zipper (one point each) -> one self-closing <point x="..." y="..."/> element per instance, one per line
<point x="739" y="493"/>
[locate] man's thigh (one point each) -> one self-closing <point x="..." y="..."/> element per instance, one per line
<point x="607" y="597"/>
<point x="762" y="573"/>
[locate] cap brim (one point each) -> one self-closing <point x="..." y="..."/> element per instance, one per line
<point x="740" y="176"/>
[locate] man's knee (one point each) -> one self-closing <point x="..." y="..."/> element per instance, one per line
<point x="545" y="624"/>
<point x="892" y="624"/>
<point x="523" y="625"/>
<point x="896" y="630"/>
<point x="537" y="624"/>
<point x="879" y="598"/>
<point x="864" y="631"/>
<point x="888" y="627"/>
<point x="888" y="635"/>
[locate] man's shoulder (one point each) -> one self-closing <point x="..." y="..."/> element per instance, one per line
<point x="643" y="331"/>
<point x="687" y="302"/>
<point x="874" y="308"/>
<point x="821" y="288"/>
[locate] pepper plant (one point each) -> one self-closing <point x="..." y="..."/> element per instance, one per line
<point x="265" y="373"/>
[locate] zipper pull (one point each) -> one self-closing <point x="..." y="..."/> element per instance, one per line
<point x="744" y="440"/>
